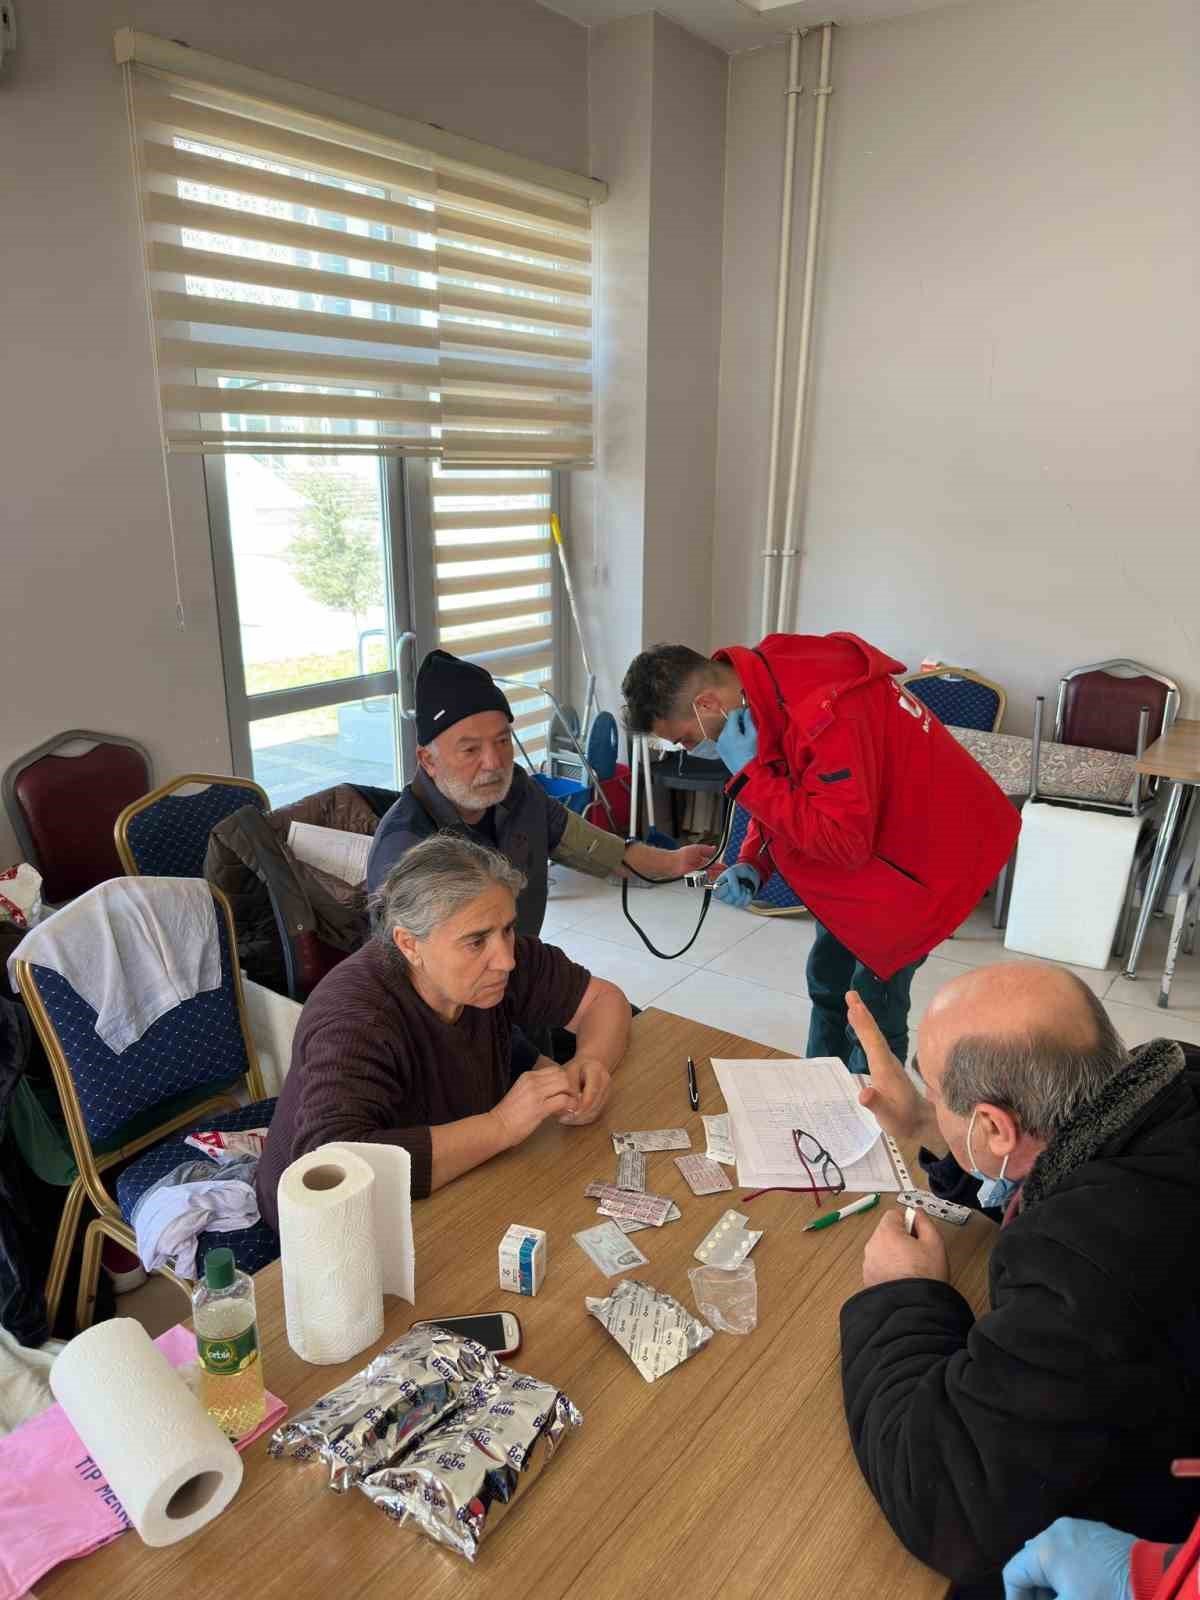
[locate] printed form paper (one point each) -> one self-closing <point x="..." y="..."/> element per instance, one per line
<point x="767" y="1099"/>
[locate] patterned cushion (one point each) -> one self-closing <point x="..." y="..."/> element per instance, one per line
<point x="962" y="701"/>
<point x="252" y="1247"/>
<point x="199" y="1042"/>
<point x="169" y="838"/>
<point x="1065" y="771"/>
<point x="776" y="892"/>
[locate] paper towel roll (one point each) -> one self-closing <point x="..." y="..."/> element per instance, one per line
<point x="165" y="1459"/>
<point x="345" y="1235"/>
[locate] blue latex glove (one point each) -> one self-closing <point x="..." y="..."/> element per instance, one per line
<point x="738" y="885"/>
<point x="1072" y="1560"/>
<point x="738" y="744"/>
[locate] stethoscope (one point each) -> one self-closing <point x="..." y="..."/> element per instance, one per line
<point x="639" y="757"/>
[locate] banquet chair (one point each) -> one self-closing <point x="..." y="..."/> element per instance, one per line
<point x="133" y="1110"/>
<point x="164" y="834"/>
<point x="959" y="697"/>
<point x="63" y="798"/>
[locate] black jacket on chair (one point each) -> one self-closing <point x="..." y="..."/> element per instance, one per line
<point x="1074" y="1392"/>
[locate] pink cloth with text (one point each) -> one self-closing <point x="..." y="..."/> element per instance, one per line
<point x="54" y="1500"/>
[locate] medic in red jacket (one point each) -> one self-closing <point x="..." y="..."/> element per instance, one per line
<point x="877" y="818"/>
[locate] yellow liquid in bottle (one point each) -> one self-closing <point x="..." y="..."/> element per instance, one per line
<point x="235" y="1400"/>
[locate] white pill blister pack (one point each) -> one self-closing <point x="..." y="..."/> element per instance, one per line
<point x="729" y="1243"/>
<point x="934" y="1206"/>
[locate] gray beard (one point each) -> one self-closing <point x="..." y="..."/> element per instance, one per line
<point x="468" y="798"/>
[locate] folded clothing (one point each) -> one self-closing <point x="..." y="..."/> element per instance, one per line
<point x="192" y="1199"/>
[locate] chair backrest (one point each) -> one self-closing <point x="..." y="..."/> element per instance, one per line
<point x="776" y="892"/>
<point x="202" y="1044"/>
<point x="63" y="798"/>
<point x="960" y="698"/>
<point x="165" y="834"/>
<point x="1098" y="705"/>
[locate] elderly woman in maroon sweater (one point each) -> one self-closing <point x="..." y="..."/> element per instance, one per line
<point x="407" y="1041"/>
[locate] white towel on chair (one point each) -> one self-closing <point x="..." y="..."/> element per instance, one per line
<point x="133" y="948"/>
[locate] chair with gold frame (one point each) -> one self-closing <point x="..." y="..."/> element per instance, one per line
<point x="959" y="697"/>
<point x="164" y="834"/>
<point x="133" y="1110"/>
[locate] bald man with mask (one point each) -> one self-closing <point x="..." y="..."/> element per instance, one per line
<point x="1081" y="1380"/>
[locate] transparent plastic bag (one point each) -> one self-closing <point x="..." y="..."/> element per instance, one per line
<point x="21" y="896"/>
<point x="727" y="1297"/>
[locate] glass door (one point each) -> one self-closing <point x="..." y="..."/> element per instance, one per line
<point x="312" y="569"/>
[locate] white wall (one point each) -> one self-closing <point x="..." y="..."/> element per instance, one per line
<point x="606" y="522"/>
<point x="1007" y="386"/>
<point x="641" y="525"/>
<point x="683" y="344"/>
<point x="87" y="598"/>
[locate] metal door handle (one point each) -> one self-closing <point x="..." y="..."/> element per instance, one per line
<point x="405" y="638"/>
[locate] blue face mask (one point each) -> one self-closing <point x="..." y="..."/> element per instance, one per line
<point x="996" y="1191"/>
<point x="706" y="750"/>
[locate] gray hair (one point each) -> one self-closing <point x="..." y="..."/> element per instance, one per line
<point x="435" y="879"/>
<point x="1041" y="1079"/>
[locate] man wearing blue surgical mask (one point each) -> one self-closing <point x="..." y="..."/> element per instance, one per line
<point x="867" y="807"/>
<point x="1063" y="1399"/>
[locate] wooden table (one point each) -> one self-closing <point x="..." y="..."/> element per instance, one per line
<point x="1176" y="757"/>
<point x="731" y="1476"/>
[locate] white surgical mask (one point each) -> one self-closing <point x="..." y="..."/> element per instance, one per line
<point x="997" y="1191"/>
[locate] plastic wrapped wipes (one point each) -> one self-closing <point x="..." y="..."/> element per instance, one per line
<point x="464" y="1474"/>
<point x="653" y="1329"/>
<point x="435" y="1431"/>
<point x="382" y="1411"/>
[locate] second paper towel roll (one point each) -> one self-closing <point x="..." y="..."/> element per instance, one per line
<point x="164" y="1457"/>
<point x="345" y="1235"/>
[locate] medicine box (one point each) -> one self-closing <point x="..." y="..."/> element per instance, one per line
<point x="522" y="1259"/>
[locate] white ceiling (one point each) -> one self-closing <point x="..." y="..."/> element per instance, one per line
<point x="735" y="25"/>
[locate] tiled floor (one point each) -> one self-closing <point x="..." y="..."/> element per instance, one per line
<point x="746" y="973"/>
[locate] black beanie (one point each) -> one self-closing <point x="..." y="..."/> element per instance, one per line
<point x="449" y="690"/>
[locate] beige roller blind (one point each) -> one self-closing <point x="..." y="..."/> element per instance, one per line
<point x="493" y="566"/>
<point x="317" y="286"/>
<point x="292" y="277"/>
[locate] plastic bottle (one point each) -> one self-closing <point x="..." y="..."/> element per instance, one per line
<point x="231" y="1376"/>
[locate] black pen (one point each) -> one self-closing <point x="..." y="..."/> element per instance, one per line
<point x="693" y="1091"/>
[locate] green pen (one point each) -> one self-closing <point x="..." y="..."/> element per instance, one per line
<point x="865" y="1204"/>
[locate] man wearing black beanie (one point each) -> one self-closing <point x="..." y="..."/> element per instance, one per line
<point x="468" y="781"/>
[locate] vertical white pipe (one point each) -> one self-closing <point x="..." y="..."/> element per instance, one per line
<point x="790" y="548"/>
<point x="648" y="775"/>
<point x="792" y="93"/>
<point x="635" y="781"/>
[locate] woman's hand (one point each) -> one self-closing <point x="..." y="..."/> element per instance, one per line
<point x="537" y="1094"/>
<point x="592" y="1082"/>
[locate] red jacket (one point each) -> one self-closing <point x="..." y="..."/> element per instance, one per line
<point x="876" y="816"/>
<point x="1160" y="1572"/>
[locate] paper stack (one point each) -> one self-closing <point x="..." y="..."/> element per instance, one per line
<point x="768" y="1099"/>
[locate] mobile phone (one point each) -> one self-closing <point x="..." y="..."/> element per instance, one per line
<point x="497" y="1331"/>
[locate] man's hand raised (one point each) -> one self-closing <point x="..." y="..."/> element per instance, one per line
<point x="891" y="1096"/>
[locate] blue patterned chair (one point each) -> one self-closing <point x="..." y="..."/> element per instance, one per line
<point x="776" y="897"/>
<point x="959" y="698"/>
<point x="165" y="834"/>
<point x="134" y="1110"/>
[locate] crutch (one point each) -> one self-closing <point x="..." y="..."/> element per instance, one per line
<point x="589" y="702"/>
